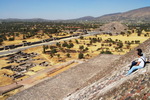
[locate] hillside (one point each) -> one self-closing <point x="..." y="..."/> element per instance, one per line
<point x="114" y="27"/>
<point x="86" y="18"/>
<point x="141" y="14"/>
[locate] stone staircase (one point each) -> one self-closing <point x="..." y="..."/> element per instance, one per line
<point x="116" y="86"/>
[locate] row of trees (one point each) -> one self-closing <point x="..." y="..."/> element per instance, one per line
<point x="9" y="30"/>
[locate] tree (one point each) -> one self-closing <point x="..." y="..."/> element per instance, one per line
<point x="120" y="44"/>
<point x="122" y="33"/>
<point x="99" y="39"/>
<point x="70" y="40"/>
<point x="81" y="47"/>
<point x="68" y="55"/>
<point x="77" y="42"/>
<point x="86" y="49"/>
<point x="11" y="39"/>
<point x="80" y="56"/>
<point x="52" y="47"/>
<point x="1" y="41"/>
<point x="132" y="42"/>
<point x="110" y="44"/>
<point x="44" y="51"/>
<point x="91" y="42"/>
<point x="17" y="34"/>
<point x="51" y="55"/>
<point x="58" y="55"/>
<point x="145" y="35"/>
<point x="71" y="45"/>
<point x="102" y="44"/>
<point x="116" y="40"/>
<point x="87" y="55"/>
<point x="137" y="41"/>
<point x="139" y="32"/>
<point x="105" y="52"/>
<point x="53" y="51"/>
<point x="58" y="44"/>
<point x="65" y="44"/>
<point x="81" y="37"/>
<point x="128" y="46"/>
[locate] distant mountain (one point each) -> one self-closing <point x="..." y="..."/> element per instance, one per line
<point x="24" y="20"/>
<point x="141" y="14"/>
<point x="136" y="15"/>
<point x="86" y="18"/>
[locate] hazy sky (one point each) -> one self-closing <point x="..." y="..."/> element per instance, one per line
<point x="66" y="9"/>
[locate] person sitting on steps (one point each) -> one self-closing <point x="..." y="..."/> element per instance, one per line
<point x="140" y="64"/>
<point x="135" y="62"/>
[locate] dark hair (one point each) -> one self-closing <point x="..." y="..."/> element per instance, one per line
<point x="139" y="50"/>
<point x="140" y="54"/>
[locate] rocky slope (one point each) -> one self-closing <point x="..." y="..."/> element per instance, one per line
<point x="57" y="87"/>
<point x="116" y="87"/>
<point x="141" y="14"/>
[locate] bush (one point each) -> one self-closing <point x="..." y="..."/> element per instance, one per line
<point x="81" y="37"/>
<point x="11" y="39"/>
<point x="77" y="42"/>
<point x="65" y="44"/>
<point x="68" y="55"/>
<point x="53" y="51"/>
<point x="81" y="47"/>
<point x="58" y="44"/>
<point x="106" y="52"/>
<point x="80" y="56"/>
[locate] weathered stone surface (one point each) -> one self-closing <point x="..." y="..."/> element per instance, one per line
<point x="61" y="85"/>
<point x="98" y="86"/>
<point x="119" y="88"/>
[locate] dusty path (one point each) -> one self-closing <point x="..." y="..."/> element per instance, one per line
<point x="61" y="85"/>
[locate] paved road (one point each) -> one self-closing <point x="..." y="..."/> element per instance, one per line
<point x="6" y="52"/>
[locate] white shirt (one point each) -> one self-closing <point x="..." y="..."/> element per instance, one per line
<point x="141" y="61"/>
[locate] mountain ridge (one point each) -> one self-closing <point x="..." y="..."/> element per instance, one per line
<point x="135" y="15"/>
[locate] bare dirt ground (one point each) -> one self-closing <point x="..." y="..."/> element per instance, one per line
<point x="60" y="85"/>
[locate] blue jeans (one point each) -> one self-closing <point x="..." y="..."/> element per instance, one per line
<point x="133" y="68"/>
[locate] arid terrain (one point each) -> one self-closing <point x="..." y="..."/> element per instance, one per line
<point x="33" y="65"/>
<point x="68" y="58"/>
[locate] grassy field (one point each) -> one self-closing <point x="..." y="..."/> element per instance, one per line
<point x="95" y="48"/>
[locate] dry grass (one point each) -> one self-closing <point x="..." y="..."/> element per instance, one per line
<point x="5" y="96"/>
<point x="92" y="52"/>
<point x="37" y="68"/>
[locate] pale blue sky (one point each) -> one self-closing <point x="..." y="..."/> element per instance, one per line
<point x="66" y="9"/>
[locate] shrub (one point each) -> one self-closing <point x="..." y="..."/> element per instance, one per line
<point x="81" y="37"/>
<point x="80" y="56"/>
<point x="11" y="39"/>
<point x="68" y="55"/>
<point x="106" y="52"/>
<point x="77" y="42"/>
